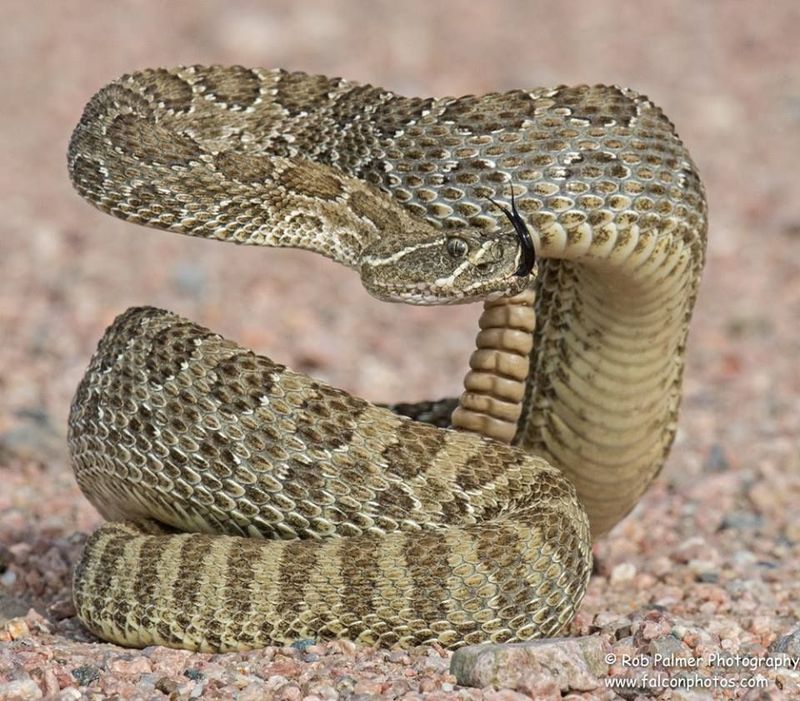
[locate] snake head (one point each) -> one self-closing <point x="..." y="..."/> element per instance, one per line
<point x="449" y="266"/>
<point x="433" y="266"/>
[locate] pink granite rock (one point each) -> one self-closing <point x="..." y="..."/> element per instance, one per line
<point x="572" y="664"/>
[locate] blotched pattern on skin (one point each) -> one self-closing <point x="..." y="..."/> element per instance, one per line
<point x="361" y="523"/>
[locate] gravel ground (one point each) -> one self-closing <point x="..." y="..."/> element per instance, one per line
<point x="706" y="564"/>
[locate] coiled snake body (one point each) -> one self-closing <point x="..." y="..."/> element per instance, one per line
<point x="251" y="505"/>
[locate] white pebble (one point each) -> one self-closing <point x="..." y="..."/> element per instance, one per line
<point x="623" y="572"/>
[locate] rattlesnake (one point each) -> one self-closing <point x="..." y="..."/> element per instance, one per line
<point x="311" y="513"/>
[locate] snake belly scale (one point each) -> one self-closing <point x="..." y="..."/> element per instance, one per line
<point x="250" y="505"/>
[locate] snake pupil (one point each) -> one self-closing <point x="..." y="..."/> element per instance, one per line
<point x="457" y="247"/>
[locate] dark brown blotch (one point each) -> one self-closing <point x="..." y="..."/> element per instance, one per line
<point x="167" y="90"/>
<point x="294" y="573"/>
<point x="393" y="115"/>
<point x="112" y="100"/>
<point x="600" y="105"/>
<point x="359" y="557"/>
<point x="485" y="466"/>
<point x="146" y="141"/>
<point x="241" y="381"/>
<point x="383" y="217"/>
<point x="326" y="417"/>
<point x="415" y="449"/>
<point x="87" y="176"/>
<point x="301" y="93"/>
<point x="311" y="180"/>
<point x="245" y="168"/>
<point x="426" y="556"/>
<point x="235" y="87"/>
<point x="492" y="112"/>
<point x="170" y="347"/>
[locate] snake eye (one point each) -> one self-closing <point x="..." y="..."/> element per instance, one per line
<point x="457" y="247"/>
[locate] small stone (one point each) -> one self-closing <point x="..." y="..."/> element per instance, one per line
<point x="368" y="687"/>
<point x="399" y="657"/>
<point x="694" y="548"/>
<point x="324" y="692"/>
<point x="704" y="571"/>
<point x="86" y="674"/>
<point x="343" y="646"/>
<point x="668" y="647"/>
<point x="303" y="644"/>
<point x="69" y="694"/>
<point x="613" y="625"/>
<point x="345" y="685"/>
<point x="655" y="624"/>
<point x="62" y="608"/>
<point x="291" y="692"/>
<point x="761" y="625"/>
<point x="741" y="521"/>
<point x="48" y="682"/>
<point x="787" y="644"/>
<point x="137" y="665"/>
<point x="623" y="572"/>
<point x="17" y="628"/>
<point x="679" y="631"/>
<point x="167" y="685"/>
<point x="21" y="690"/>
<point x="651" y="630"/>
<point x="660" y="566"/>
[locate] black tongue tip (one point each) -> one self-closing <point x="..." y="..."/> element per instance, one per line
<point x="528" y="259"/>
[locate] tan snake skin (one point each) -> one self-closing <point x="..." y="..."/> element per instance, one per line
<point x="445" y="535"/>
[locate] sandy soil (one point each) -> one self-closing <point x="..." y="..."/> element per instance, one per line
<point x="710" y="556"/>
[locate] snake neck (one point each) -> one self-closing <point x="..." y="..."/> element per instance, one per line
<point x="606" y="368"/>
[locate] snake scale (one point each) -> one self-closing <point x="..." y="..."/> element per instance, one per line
<point x="250" y="505"/>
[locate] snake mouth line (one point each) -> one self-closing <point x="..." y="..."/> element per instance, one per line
<point x="422" y="294"/>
